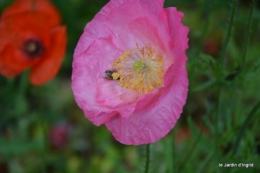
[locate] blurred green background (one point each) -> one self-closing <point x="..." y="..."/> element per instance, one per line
<point x="43" y="130"/>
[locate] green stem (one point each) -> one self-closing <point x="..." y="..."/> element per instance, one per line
<point x="173" y="154"/>
<point x="219" y="93"/>
<point x="242" y="130"/>
<point x="207" y="11"/>
<point x="207" y="161"/>
<point x="42" y="123"/>
<point x="217" y="120"/>
<point x="147" y="162"/>
<point x="228" y="36"/>
<point x="190" y="153"/>
<point x="23" y="83"/>
<point x="43" y="149"/>
<point x="248" y="33"/>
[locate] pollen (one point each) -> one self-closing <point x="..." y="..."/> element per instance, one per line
<point x="140" y="70"/>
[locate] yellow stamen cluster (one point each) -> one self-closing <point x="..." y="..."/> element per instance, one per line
<point x="140" y="70"/>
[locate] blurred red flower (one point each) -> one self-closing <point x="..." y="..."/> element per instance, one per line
<point x="31" y="37"/>
<point x="59" y="135"/>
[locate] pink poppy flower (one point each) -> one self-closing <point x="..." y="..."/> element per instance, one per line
<point x="129" y="69"/>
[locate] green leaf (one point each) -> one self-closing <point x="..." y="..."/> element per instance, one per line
<point x="212" y="63"/>
<point x="205" y="85"/>
<point x="16" y="147"/>
<point x="242" y="130"/>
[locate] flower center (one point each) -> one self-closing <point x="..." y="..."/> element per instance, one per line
<point x="138" y="65"/>
<point x="33" y="48"/>
<point x="140" y="70"/>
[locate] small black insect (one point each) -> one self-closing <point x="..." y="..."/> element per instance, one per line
<point x="109" y="74"/>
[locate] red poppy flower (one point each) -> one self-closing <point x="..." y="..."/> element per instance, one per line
<point x="31" y="37"/>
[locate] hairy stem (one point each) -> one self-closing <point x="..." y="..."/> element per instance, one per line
<point x="207" y="11"/>
<point x="228" y="35"/>
<point x="147" y="161"/>
<point x="249" y="118"/>
<point x="248" y="33"/>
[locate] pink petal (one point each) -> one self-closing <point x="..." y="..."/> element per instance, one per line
<point x="86" y="76"/>
<point x="156" y="119"/>
<point x="122" y="25"/>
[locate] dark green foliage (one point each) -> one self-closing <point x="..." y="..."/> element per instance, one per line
<point x="220" y="122"/>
